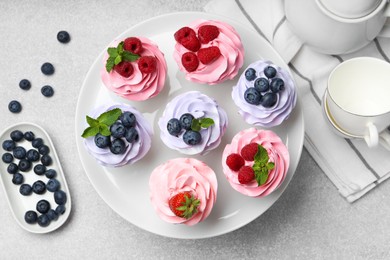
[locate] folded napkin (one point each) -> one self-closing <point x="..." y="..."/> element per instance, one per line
<point x="350" y="164"/>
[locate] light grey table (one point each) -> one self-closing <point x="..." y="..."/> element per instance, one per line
<point x="310" y="220"/>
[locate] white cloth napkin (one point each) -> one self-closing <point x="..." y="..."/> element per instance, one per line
<point x="350" y="164"/>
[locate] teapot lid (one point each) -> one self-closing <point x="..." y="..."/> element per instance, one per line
<point x="350" y="9"/>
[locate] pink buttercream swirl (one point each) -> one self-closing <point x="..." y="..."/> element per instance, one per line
<point x="226" y="66"/>
<point x="181" y="175"/>
<point x="134" y="151"/>
<point x="277" y="153"/>
<point x="200" y="106"/>
<point x="259" y="115"/>
<point x="138" y="86"/>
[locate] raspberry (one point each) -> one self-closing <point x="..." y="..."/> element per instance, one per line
<point x="235" y="161"/>
<point x="208" y="55"/>
<point x="246" y="174"/>
<point x="207" y="33"/>
<point x="183" y="33"/>
<point x="190" y="61"/>
<point x="125" y="69"/>
<point x="249" y="151"/>
<point x="147" y="64"/>
<point x="133" y="45"/>
<point x="191" y="43"/>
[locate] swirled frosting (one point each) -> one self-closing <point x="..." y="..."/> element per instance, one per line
<point x="181" y="175"/>
<point x="200" y="106"/>
<point x="138" y="86"/>
<point x="257" y="114"/>
<point x="226" y="66"/>
<point x="277" y="153"/>
<point x="134" y="151"/>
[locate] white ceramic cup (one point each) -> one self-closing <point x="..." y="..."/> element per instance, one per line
<point x="358" y="99"/>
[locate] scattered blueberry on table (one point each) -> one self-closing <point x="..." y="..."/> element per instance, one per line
<point x="25" y="84"/>
<point x="47" y="91"/>
<point x="47" y="68"/>
<point x="63" y="37"/>
<point x="14" y="106"/>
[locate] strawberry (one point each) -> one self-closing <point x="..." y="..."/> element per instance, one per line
<point x="147" y="64"/>
<point x="133" y="45"/>
<point x="207" y="33"/>
<point x="234" y="161"/>
<point x="249" y="151"/>
<point x="246" y="174"/>
<point x="190" y="61"/>
<point x="184" y="204"/>
<point x="208" y="55"/>
<point x="124" y="68"/>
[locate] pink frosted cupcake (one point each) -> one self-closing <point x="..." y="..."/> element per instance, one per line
<point x="208" y="51"/>
<point x="134" y="68"/>
<point x="256" y="162"/>
<point x="183" y="191"/>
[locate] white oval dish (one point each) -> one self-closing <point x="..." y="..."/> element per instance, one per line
<point x="18" y="203"/>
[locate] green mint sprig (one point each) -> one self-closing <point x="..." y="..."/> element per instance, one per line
<point x="117" y="55"/>
<point x="199" y="123"/>
<point x="102" y="123"/>
<point x="262" y="166"/>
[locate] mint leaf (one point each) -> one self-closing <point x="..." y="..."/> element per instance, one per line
<point x="195" y="126"/>
<point x="206" y="122"/>
<point x="90" y="131"/>
<point x="120" y="48"/>
<point x="118" y="59"/>
<point x="270" y="166"/>
<point x="262" y="155"/>
<point x="109" y="117"/>
<point x="110" y="64"/>
<point x="92" y="122"/>
<point x="128" y="56"/>
<point x="104" y="130"/>
<point x="113" y="52"/>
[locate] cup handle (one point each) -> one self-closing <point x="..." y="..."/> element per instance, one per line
<point x="384" y="139"/>
<point x="372" y="136"/>
<point x="385" y="32"/>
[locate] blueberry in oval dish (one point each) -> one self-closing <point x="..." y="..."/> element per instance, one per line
<point x="53" y="185"/>
<point x="270" y="72"/>
<point x="32" y="155"/>
<point x="186" y="121"/>
<point x="14" y="106"/>
<point x="25" y="189"/>
<point x="7" y="157"/>
<point x="37" y="142"/>
<point x="43" y="220"/>
<point x="277" y="84"/>
<point x="12" y="168"/>
<point x="63" y="37"/>
<point x="46" y="160"/>
<point x="269" y="99"/>
<point x="191" y="137"/>
<point x="52" y="214"/>
<point x="39" y="169"/>
<point x="43" y="149"/>
<point x="29" y="136"/>
<point x="252" y="96"/>
<point x="102" y="141"/>
<point x="24" y="165"/>
<point x="250" y="74"/>
<point x="261" y="84"/>
<point x="19" y="152"/>
<point x="50" y="173"/>
<point x="43" y="206"/>
<point x="131" y="135"/>
<point x="128" y="119"/>
<point x="39" y="187"/>
<point x="118" y="146"/>
<point x="25" y="84"/>
<point x="47" y="68"/>
<point x="16" y="135"/>
<point x="47" y="91"/>
<point x="31" y="217"/>
<point x="9" y="145"/>
<point x="60" y="197"/>
<point x="17" y="179"/>
<point x="117" y="130"/>
<point x="174" y="126"/>
<point x="60" y="209"/>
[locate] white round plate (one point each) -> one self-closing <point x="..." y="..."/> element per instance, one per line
<point x="126" y="189"/>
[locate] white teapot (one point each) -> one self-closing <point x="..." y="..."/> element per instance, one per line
<point x="337" y="26"/>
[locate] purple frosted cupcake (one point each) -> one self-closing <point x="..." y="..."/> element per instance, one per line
<point x="192" y="123"/>
<point x="124" y="135"/>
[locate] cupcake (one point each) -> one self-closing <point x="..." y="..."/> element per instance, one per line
<point x="208" y="51"/>
<point x="134" y="68"/>
<point x="117" y="135"/>
<point x="265" y="94"/>
<point x="183" y="191"/>
<point x="192" y="123"/>
<point x="256" y="162"/>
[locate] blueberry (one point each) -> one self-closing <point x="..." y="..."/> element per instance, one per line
<point x="17" y="179"/>
<point x="24" y="165"/>
<point x="128" y="119"/>
<point x="186" y="121"/>
<point x="277" y="84"/>
<point x="47" y="91"/>
<point x="60" y="209"/>
<point x="50" y="173"/>
<point x="9" y="145"/>
<point x="53" y="185"/>
<point x="43" y="220"/>
<point x="16" y="135"/>
<point x="117" y="130"/>
<point x="269" y="99"/>
<point x="174" y="126"/>
<point x="118" y="146"/>
<point x="39" y="169"/>
<point x="250" y="74"/>
<point x="252" y="96"/>
<point x="12" y="168"/>
<point x="261" y="84"/>
<point x="25" y="84"/>
<point x="37" y="142"/>
<point x="44" y="149"/>
<point x="102" y="141"/>
<point x="31" y="217"/>
<point x="29" y="136"/>
<point x="270" y="72"/>
<point x="25" y="189"/>
<point x="63" y="36"/>
<point x="60" y="197"/>
<point x="46" y="160"/>
<point x="32" y="155"/>
<point x="14" y="106"/>
<point x="39" y="187"/>
<point x="191" y="137"/>
<point x="131" y="135"/>
<point x="52" y="214"/>
<point x="19" y="152"/>
<point x="47" y="68"/>
<point x="43" y="206"/>
<point x="7" y="158"/>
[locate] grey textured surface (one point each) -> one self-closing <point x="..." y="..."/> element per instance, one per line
<point x="309" y="221"/>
